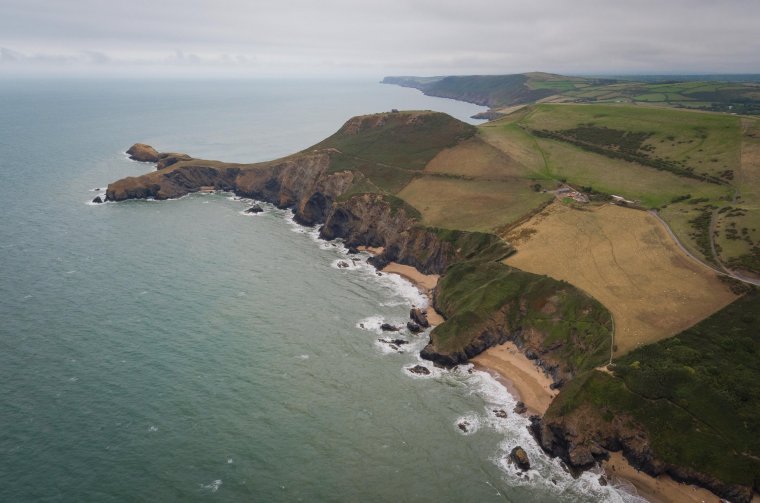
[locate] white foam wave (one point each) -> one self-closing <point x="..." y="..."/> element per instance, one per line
<point x="468" y="424"/>
<point x="212" y="486"/>
<point x="545" y="472"/>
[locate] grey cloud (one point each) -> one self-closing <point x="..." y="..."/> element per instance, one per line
<point x="419" y="36"/>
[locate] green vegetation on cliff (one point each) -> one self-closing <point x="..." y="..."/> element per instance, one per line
<point x="695" y="395"/>
<point x="558" y="322"/>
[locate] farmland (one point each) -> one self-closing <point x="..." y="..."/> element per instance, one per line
<point x="626" y="260"/>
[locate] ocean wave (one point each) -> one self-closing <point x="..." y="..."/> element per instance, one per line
<point x="546" y="473"/>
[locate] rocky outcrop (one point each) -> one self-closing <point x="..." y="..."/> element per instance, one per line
<point x="582" y="438"/>
<point x="519" y="457"/>
<point x="419" y="316"/>
<point x="166" y="159"/>
<point x="143" y="153"/>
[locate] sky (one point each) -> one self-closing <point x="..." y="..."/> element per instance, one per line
<point x="375" y="38"/>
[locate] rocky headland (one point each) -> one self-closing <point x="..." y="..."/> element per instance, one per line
<point x="346" y="185"/>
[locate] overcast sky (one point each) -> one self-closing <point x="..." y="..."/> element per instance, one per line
<point x="382" y="37"/>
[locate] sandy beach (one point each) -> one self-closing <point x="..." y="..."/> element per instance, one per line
<point x="662" y="489"/>
<point x="519" y="374"/>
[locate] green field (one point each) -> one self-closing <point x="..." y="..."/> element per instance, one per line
<point x="695" y="395"/>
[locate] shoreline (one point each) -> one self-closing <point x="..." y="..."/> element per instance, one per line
<point x="425" y="283"/>
<point x="524" y="380"/>
<point x="528" y="383"/>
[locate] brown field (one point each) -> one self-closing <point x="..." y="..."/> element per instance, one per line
<point x="474" y="205"/>
<point x="475" y="158"/>
<point x="626" y="260"/>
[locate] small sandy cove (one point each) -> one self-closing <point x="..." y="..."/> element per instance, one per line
<point x="530" y="384"/>
<point x="424" y="282"/>
<point x="519" y="374"/>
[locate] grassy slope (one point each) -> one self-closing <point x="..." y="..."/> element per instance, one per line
<point x="723" y="150"/>
<point x="695" y="394"/>
<point x="471" y="292"/>
<point x="391" y="148"/>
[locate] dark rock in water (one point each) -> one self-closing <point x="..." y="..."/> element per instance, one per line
<point x="520" y="458"/>
<point x="557" y="385"/>
<point x="254" y="209"/>
<point x="602" y="481"/>
<point x="500" y="413"/>
<point x="419" y="369"/>
<point x="353" y="250"/>
<point x="413" y="327"/>
<point x="97" y="200"/>
<point x="387" y="327"/>
<point x="419" y="317"/>
<point x="397" y="342"/>
<point x="143" y="153"/>
<point x="463" y="426"/>
<point x="520" y="408"/>
<point x="343" y="264"/>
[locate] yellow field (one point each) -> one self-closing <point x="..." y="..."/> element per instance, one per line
<point x="626" y="260"/>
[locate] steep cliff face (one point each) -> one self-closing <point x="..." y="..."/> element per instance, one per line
<point x="584" y="437"/>
<point x="487" y="303"/>
<point x="302" y="182"/>
<point x="370" y="220"/>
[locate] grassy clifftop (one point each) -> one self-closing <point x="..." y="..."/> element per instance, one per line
<point x="695" y="395"/>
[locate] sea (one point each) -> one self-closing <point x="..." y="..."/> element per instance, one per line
<point x="185" y="351"/>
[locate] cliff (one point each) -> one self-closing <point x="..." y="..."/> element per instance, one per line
<point x="346" y="184"/>
<point x="688" y="406"/>
<point x="494" y="91"/>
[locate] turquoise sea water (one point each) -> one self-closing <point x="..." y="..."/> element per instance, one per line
<point x="183" y="351"/>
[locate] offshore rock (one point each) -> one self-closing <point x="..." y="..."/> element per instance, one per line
<point x="419" y="316"/>
<point x="520" y="458"/>
<point x="419" y="369"/>
<point x="97" y="200"/>
<point x="413" y="327"/>
<point x="254" y="209"/>
<point x="143" y="153"/>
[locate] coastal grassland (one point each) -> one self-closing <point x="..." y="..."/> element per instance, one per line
<point x="389" y="148"/>
<point x="479" y="205"/>
<point x="553" y="161"/>
<point x="652" y="188"/>
<point x="499" y="91"/>
<point x="475" y="158"/>
<point x="481" y="297"/>
<point x="695" y="395"/>
<point x="626" y="260"/>
<point x="699" y="143"/>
